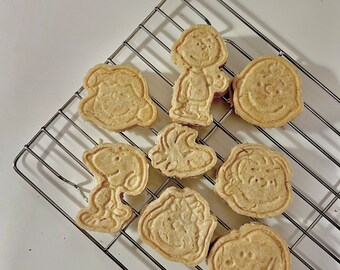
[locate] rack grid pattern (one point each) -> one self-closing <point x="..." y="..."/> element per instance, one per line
<point x="305" y="232"/>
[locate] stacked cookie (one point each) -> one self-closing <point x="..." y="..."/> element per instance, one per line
<point x="254" y="180"/>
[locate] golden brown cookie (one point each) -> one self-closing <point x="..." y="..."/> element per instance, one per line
<point x="255" y="181"/>
<point x="118" y="169"/>
<point x="253" y="246"/>
<point x="118" y="98"/>
<point x="177" y="154"/>
<point x="267" y="92"/>
<point x="199" y="52"/>
<point x="178" y="225"/>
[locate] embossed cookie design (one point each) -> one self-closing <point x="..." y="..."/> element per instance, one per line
<point x="255" y="181"/>
<point x="118" y="168"/>
<point x="199" y="52"/>
<point x="118" y="98"/>
<point x="178" y="225"/>
<point x="177" y="154"/>
<point x="268" y="93"/>
<point x="253" y="246"/>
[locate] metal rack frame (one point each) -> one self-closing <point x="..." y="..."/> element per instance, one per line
<point x="322" y="213"/>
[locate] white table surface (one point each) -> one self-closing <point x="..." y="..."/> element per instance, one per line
<point x="45" y="49"/>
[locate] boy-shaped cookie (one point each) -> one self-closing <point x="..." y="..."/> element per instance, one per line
<point x="118" y="98"/>
<point x="199" y="52"/>
<point x="118" y="168"/>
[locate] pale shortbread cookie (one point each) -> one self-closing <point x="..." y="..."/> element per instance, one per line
<point x="253" y="246"/>
<point x="255" y="181"/>
<point x="199" y="52"/>
<point x="177" y="154"/>
<point x="118" y="98"/>
<point x="267" y="92"/>
<point x="178" y="225"/>
<point x="118" y="168"/>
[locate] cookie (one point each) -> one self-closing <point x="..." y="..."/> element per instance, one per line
<point x="177" y="154"/>
<point x="267" y="93"/>
<point x="118" y="98"/>
<point x="253" y="246"/>
<point x="178" y="225"/>
<point x="118" y="169"/>
<point x="255" y="181"/>
<point x="199" y="52"/>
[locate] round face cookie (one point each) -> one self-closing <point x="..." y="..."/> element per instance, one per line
<point x="267" y="93"/>
<point x="255" y="181"/>
<point x="253" y="247"/>
<point x="178" y="225"/>
<point x="177" y="154"/>
<point x="118" y="98"/>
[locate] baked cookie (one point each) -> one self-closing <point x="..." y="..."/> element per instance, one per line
<point x="267" y="92"/>
<point x="178" y="225"/>
<point x="118" y="168"/>
<point x="118" y="98"/>
<point x="253" y="246"/>
<point x="255" y="181"/>
<point x="199" y="52"/>
<point x="177" y="154"/>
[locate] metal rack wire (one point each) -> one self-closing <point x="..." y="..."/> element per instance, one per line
<point x="320" y="212"/>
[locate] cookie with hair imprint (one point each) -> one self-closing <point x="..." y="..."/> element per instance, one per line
<point x="178" y="225"/>
<point x="176" y="153"/>
<point x="118" y="98"/>
<point x="118" y="169"/>
<point x="253" y="246"/>
<point x="199" y="52"/>
<point x="255" y="181"/>
<point x="267" y="93"/>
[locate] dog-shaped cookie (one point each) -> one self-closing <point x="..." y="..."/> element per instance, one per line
<point x="118" y="168"/>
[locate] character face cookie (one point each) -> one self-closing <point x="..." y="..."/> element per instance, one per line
<point x="178" y="225"/>
<point x="177" y="154"/>
<point x="267" y="93"/>
<point x="118" y="98"/>
<point x="253" y="247"/>
<point x="255" y="181"/>
<point x="199" y="52"/>
<point x="118" y="168"/>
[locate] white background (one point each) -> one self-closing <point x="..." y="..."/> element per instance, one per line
<point x="45" y="49"/>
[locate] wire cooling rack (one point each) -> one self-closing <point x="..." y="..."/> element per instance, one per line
<point x="51" y="161"/>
